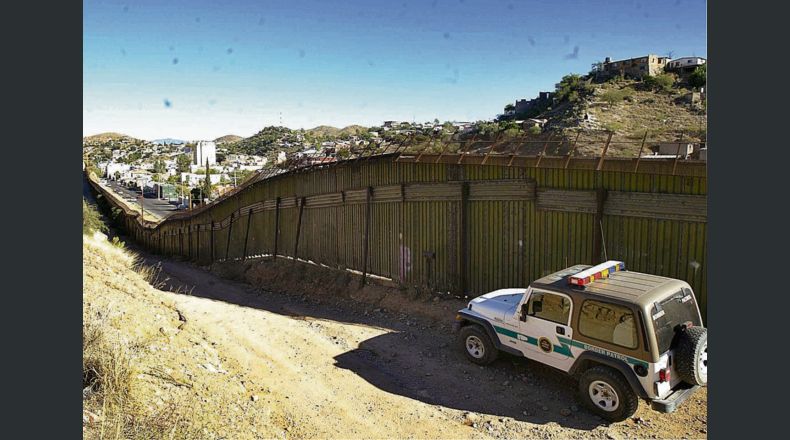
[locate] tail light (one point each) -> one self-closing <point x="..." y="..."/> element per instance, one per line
<point x="664" y="375"/>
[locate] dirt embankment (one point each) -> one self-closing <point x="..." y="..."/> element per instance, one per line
<point x="337" y="361"/>
<point x="151" y="372"/>
<point x="286" y="276"/>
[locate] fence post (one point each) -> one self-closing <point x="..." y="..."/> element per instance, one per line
<point x="600" y="198"/>
<point x="247" y="235"/>
<point x="366" y="239"/>
<point x="197" y="229"/>
<point x="638" y="158"/>
<point x="677" y="154"/>
<point x="462" y="239"/>
<point x="298" y="229"/>
<point x="603" y="153"/>
<point x="189" y="241"/>
<point x="543" y="153"/>
<point x="573" y="149"/>
<point x="491" y="150"/>
<point x="180" y="242"/>
<point x="230" y="231"/>
<point x="212" y="242"/>
<point x="276" y="227"/>
<point x="444" y="148"/>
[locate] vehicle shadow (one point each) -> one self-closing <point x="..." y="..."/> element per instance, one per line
<point x="510" y="387"/>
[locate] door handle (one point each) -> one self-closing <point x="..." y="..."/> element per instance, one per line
<point x="560" y="330"/>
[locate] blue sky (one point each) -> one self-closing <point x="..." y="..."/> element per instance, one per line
<point x="200" y="69"/>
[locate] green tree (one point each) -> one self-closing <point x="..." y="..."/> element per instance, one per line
<point x="510" y="108"/>
<point x="572" y="87"/>
<point x="699" y="77"/>
<point x="159" y="166"/>
<point x="207" y="182"/>
<point x="183" y="162"/>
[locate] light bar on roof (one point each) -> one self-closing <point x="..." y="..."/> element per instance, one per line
<point x="598" y="272"/>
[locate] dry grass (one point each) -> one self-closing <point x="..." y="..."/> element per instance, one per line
<point x="115" y="350"/>
<point x="144" y="367"/>
<point x="109" y="371"/>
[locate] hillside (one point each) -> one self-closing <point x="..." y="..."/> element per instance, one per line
<point x="327" y="131"/>
<point x="629" y="110"/>
<point x="227" y="139"/>
<point x="263" y="142"/>
<point x="149" y="370"/>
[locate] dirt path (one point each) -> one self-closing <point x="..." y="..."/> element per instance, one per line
<point x="341" y="370"/>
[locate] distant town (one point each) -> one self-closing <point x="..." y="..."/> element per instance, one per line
<point x="193" y="172"/>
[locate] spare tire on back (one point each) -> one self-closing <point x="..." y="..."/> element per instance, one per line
<point x="691" y="356"/>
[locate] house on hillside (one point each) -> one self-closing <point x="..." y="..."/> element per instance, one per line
<point x="522" y="106"/>
<point x="685" y="65"/>
<point x="634" y="67"/>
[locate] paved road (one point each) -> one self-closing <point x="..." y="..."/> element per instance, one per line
<point x="161" y="208"/>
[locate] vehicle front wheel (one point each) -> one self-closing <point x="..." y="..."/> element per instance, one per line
<point x="606" y="392"/>
<point x="477" y="345"/>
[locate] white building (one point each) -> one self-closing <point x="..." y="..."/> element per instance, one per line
<point x="112" y="167"/>
<point x="195" y="179"/>
<point x="205" y="150"/>
<point x="281" y="157"/>
<point x="685" y="64"/>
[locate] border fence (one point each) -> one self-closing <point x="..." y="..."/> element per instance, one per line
<point x="460" y="223"/>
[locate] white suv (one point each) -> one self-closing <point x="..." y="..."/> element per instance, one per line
<point x="624" y="335"/>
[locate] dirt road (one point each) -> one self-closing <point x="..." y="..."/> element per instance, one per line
<point x="345" y="370"/>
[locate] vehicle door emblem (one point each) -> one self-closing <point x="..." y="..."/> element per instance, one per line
<point x="545" y="344"/>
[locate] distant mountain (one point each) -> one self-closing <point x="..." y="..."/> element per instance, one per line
<point x="263" y="142"/>
<point x="227" y="139"/>
<point x="167" y="141"/>
<point x="328" y="131"/>
<point x="109" y="136"/>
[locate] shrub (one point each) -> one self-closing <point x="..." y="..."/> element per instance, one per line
<point x="613" y="126"/>
<point x="699" y="77"/>
<point x="534" y="130"/>
<point x="614" y="96"/>
<point x="662" y="81"/>
<point x="91" y="219"/>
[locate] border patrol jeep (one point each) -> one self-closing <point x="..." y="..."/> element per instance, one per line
<point x="624" y="335"/>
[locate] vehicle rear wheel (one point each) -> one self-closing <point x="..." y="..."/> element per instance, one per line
<point x="606" y="393"/>
<point x="691" y="356"/>
<point x="477" y="345"/>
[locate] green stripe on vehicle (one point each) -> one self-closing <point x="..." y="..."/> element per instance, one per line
<point x="603" y="351"/>
<point x="565" y="346"/>
<point x="561" y="349"/>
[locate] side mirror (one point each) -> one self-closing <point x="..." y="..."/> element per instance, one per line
<point x="524" y="310"/>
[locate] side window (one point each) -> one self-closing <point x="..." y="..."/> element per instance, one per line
<point x="548" y="306"/>
<point x="607" y="322"/>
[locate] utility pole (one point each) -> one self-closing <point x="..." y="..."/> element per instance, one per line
<point x="142" y="211"/>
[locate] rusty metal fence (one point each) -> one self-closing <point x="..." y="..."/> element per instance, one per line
<point x="456" y="222"/>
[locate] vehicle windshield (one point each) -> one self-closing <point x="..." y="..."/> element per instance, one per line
<point x="670" y="313"/>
